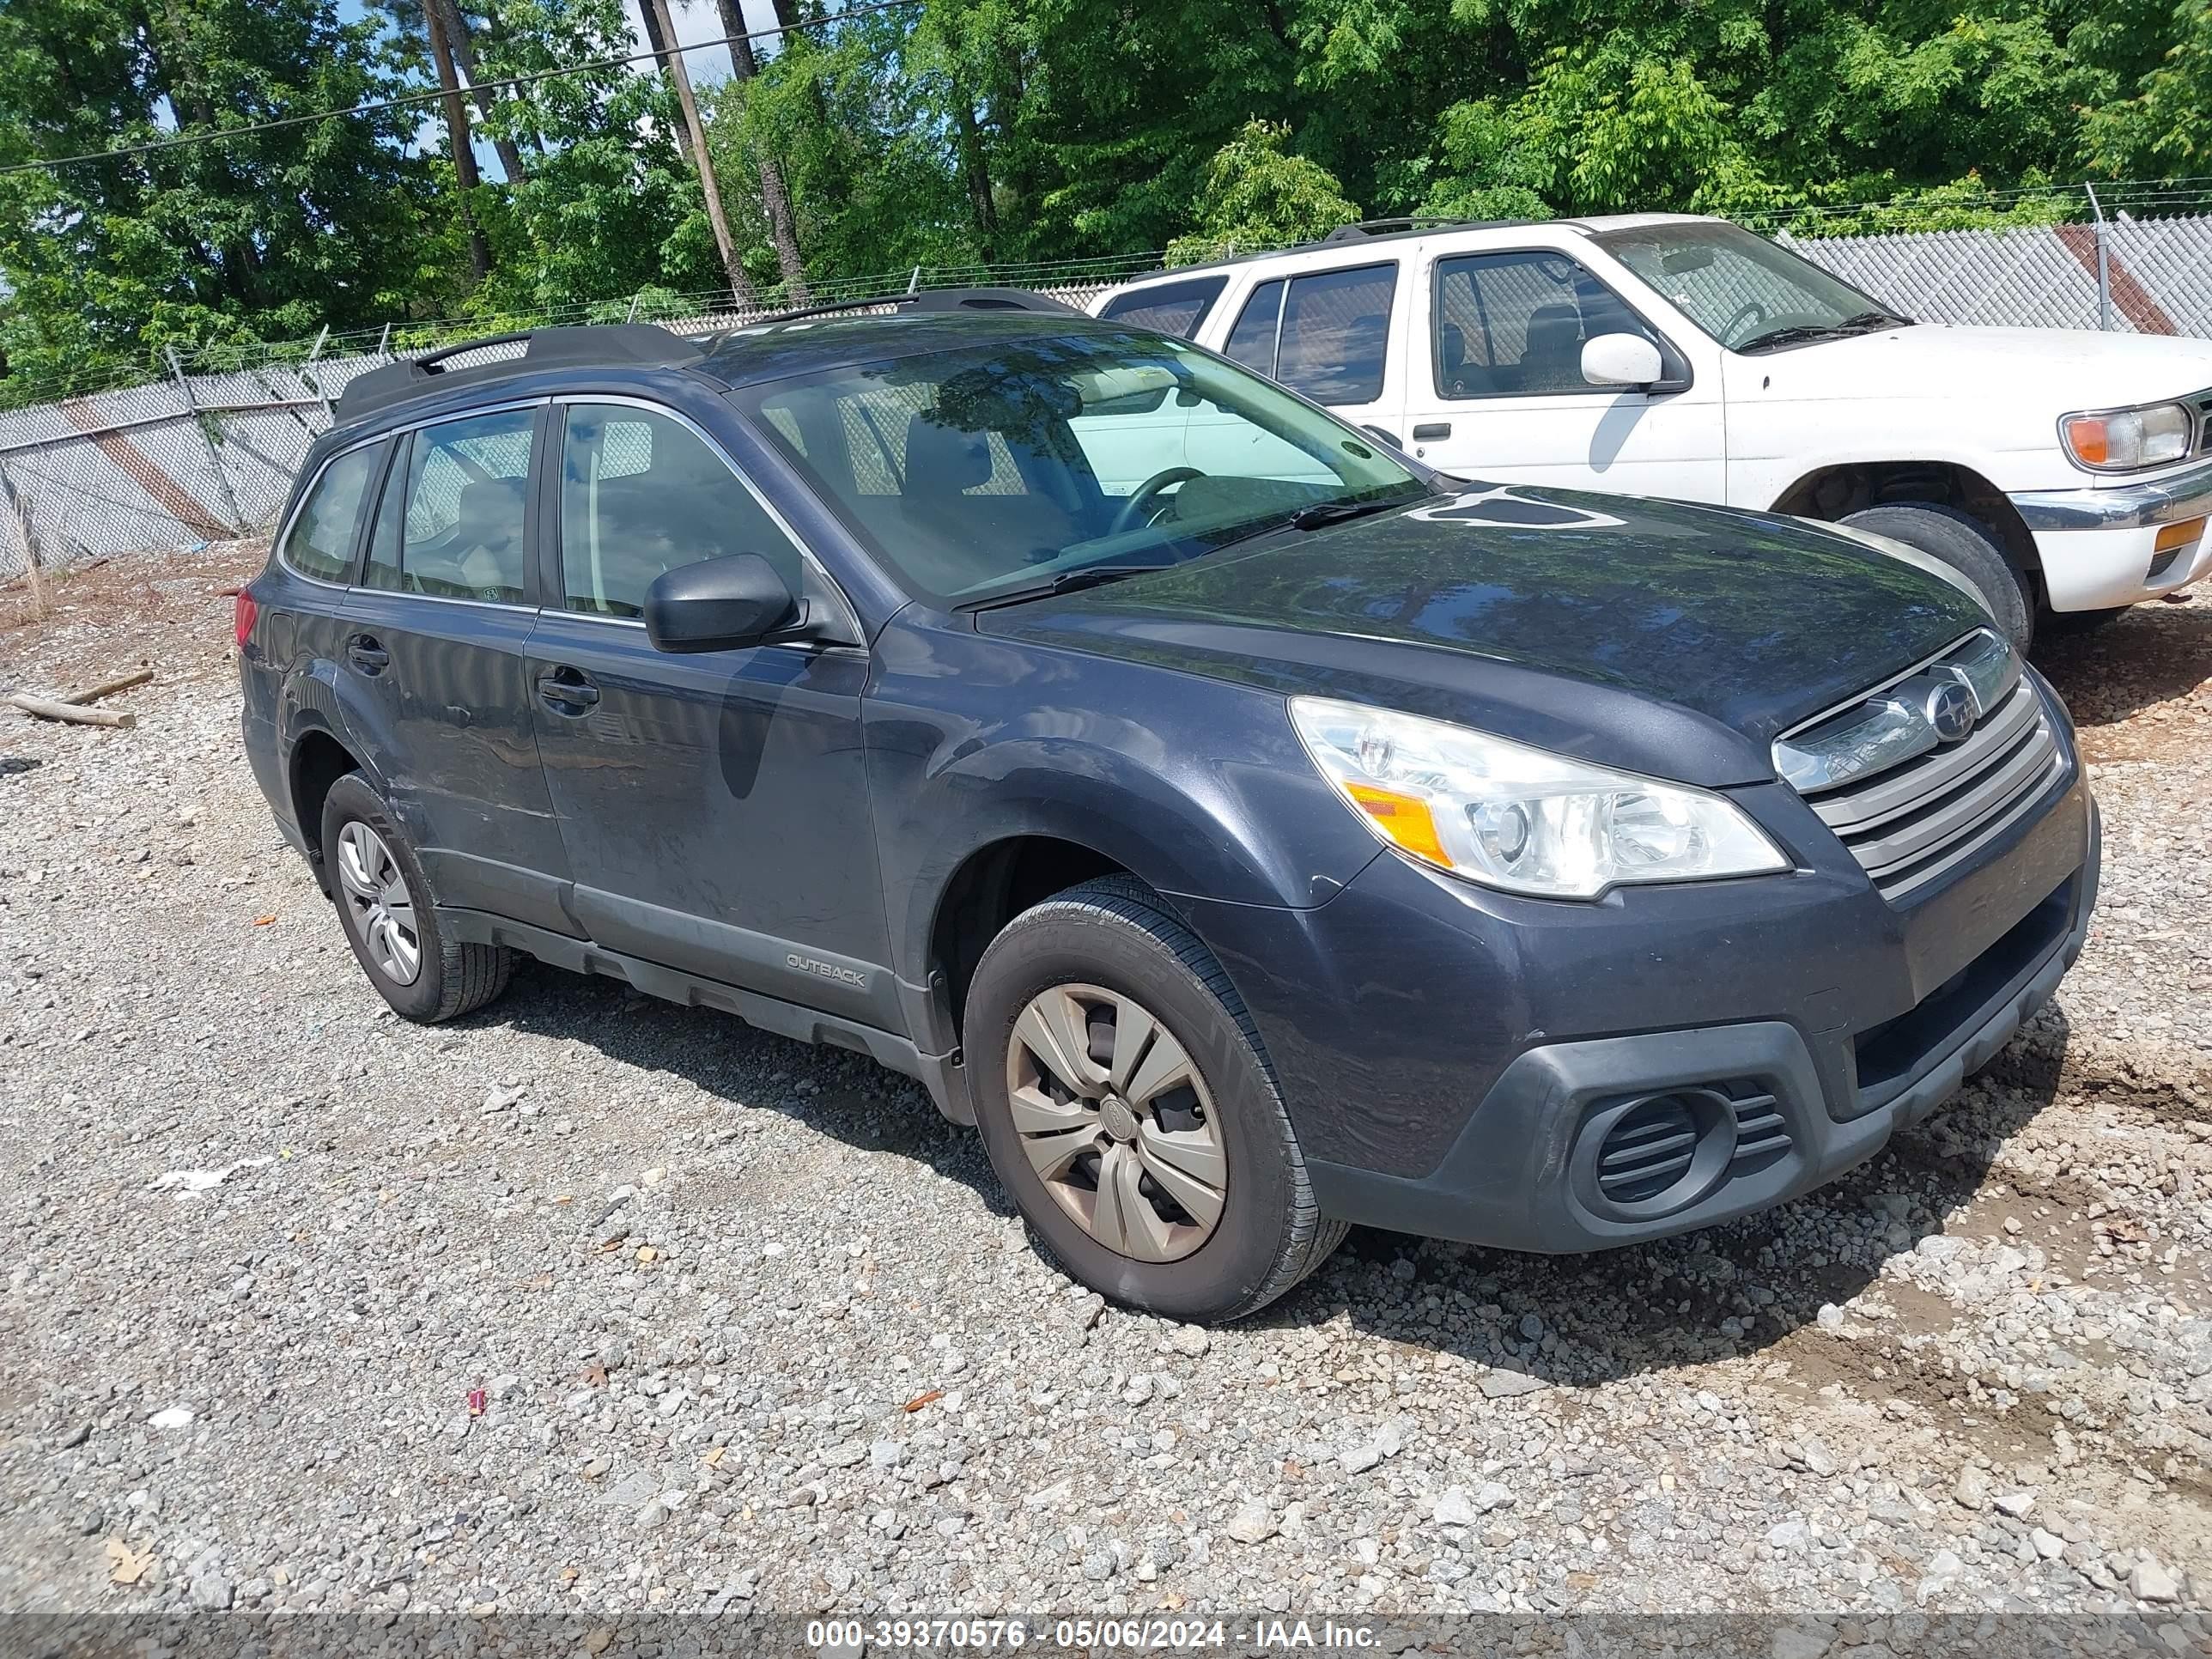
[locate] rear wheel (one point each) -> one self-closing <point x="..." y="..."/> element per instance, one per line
<point x="1128" y="1108"/>
<point x="1965" y="545"/>
<point x="384" y="906"/>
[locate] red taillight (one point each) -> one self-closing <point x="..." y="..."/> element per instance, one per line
<point x="242" y="619"/>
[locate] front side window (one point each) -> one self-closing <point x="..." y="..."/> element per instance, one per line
<point x="459" y="525"/>
<point x="995" y="466"/>
<point x="1514" y="324"/>
<point x="1743" y="290"/>
<point x="1326" y="335"/>
<point x="642" y="494"/>
<point x="1171" y="307"/>
<point x="321" y="543"/>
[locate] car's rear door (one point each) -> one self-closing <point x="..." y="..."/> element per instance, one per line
<point x="1329" y="333"/>
<point x="714" y="806"/>
<point x="435" y="632"/>
<point x="1497" y="389"/>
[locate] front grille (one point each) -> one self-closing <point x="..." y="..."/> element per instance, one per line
<point x="1912" y="822"/>
<point x="2204" y="402"/>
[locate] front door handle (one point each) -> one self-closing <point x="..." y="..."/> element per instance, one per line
<point x="1430" y="430"/>
<point x="570" y="690"/>
<point x="364" y="652"/>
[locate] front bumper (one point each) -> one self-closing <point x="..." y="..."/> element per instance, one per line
<point x="2099" y="546"/>
<point x="1455" y="1069"/>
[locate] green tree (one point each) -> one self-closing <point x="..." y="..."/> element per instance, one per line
<point x="272" y="235"/>
<point x="1259" y="195"/>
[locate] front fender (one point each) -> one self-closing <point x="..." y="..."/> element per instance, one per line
<point x="1198" y="788"/>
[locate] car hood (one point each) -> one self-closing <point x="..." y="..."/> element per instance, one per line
<point x="2055" y="370"/>
<point x="1667" y="637"/>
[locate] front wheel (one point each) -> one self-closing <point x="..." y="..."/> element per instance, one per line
<point x="1128" y="1108"/>
<point x="384" y="906"/>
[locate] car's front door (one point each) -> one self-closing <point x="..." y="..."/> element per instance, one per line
<point x="714" y="806"/>
<point x="1497" y="390"/>
<point x="434" y="631"/>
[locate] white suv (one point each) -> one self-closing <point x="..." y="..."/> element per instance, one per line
<point x="1661" y="355"/>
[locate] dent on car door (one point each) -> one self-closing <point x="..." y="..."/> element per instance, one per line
<point x="434" y="636"/>
<point x="715" y="805"/>
<point x="1499" y="391"/>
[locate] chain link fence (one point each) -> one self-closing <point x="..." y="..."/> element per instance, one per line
<point x="208" y="454"/>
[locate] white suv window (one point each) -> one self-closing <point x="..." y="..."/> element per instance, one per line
<point x="1324" y="335"/>
<point x="1514" y="324"/>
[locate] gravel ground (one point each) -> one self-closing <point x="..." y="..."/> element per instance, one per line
<point x="753" y="1329"/>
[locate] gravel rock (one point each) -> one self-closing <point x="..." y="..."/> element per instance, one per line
<point x="1509" y="1385"/>
<point x="1255" y="1523"/>
<point x="2150" y="1581"/>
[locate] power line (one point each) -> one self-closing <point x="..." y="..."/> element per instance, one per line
<point x="499" y="83"/>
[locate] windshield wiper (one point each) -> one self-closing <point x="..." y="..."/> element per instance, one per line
<point x="1067" y="581"/>
<point x="1324" y="513"/>
<point x="1866" y="322"/>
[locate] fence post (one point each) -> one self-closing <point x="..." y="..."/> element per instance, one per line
<point x="2103" y="261"/>
<point x="315" y="384"/>
<point x="214" y="449"/>
<point x="384" y="342"/>
<point x="20" y="516"/>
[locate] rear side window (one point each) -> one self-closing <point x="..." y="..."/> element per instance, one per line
<point x="452" y="523"/>
<point x="1170" y="307"/>
<point x="642" y="494"/>
<point x="320" y="543"/>
<point x="1326" y="335"/>
<point x="1513" y="324"/>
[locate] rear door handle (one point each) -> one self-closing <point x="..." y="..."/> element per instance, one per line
<point x="1431" y="430"/>
<point x="567" y="689"/>
<point x="365" y="653"/>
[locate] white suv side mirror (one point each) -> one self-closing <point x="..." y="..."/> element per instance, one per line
<point x="1621" y="360"/>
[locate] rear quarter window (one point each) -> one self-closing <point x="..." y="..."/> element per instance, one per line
<point x="321" y="542"/>
<point x="1168" y="307"/>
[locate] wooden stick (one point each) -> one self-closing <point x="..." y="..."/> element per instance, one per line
<point x="109" y="688"/>
<point x="46" y="709"/>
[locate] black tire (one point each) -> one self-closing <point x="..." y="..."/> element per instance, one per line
<point x="1966" y="545"/>
<point x="453" y="978"/>
<point x="1116" y="934"/>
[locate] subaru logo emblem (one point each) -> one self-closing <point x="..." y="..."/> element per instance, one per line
<point x="1950" y="711"/>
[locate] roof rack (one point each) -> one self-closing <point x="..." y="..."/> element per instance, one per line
<point x="543" y="348"/>
<point x="1365" y="230"/>
<point x="931" y="300"/>
<point x="1406" y="223"/>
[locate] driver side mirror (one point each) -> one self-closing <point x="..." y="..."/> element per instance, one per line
<point x="722" y="604"/>
<point x="1625" y="360"/>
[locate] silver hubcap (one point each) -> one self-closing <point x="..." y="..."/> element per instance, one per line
<point x="383" y="909"/>
<point x="1117" y="1122"/>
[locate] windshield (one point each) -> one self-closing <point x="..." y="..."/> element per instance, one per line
<point x="997" y="468"/>
<point x="1742" y="289"/>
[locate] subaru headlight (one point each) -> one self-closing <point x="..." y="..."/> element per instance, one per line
<point x="2124" y="440"/>
<point x="1519" y="818"/>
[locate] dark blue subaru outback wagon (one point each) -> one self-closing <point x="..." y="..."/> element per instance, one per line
<point x="1249" y="830"/>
